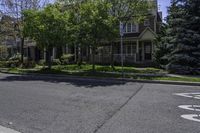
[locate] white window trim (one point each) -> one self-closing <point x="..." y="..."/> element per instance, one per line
<point x="126" y="28"/>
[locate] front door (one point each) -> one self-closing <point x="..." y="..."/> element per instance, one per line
<point x="147" y="50"/>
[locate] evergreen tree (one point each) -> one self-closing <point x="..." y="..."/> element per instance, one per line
<point x="183" y="40"/>
<point x="193" y="29"/>
<point x="161" y="47"/>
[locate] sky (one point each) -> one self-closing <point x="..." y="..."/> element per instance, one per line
<point x="163" y="4"/>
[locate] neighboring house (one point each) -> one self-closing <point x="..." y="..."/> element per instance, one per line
<point x="138" y="44"/>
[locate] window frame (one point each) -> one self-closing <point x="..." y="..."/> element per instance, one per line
<point x="147" y="22"/>
<point x="126" y="31"/>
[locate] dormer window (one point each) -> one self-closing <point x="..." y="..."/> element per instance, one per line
<point x="131" y="28"/>
<point x="146" y="23"/>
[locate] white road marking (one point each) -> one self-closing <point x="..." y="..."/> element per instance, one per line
<point x="190" y="107"/>
<point x="192" y="117"/>
<point x="189" y="95"/>
<point x="7" y="130"/>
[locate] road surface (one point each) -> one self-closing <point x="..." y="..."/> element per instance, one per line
<point x="37" y="104"/>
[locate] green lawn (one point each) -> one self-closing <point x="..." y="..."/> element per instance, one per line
<point x="86" y="71"/>
<point x="100" y="68"/>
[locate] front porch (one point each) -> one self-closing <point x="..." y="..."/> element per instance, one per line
<point x="134" y="52"/>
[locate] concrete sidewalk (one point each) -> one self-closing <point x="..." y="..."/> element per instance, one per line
<point x="7" y="130"/>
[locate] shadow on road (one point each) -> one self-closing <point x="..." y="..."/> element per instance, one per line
<point x="86" y="82"/>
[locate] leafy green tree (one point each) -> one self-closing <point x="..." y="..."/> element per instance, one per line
<point x="15" y="9"/>
<point x="127" y="11"/>
<point x="98" y="22"/>
<point x="90" y="24"/>
<point x="48" y="27"/>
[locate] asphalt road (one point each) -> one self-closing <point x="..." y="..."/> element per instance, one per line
<point x="35" y="104"/>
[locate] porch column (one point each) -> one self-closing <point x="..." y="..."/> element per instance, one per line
<point x="67" y="49"/>
<point x="143" y="51"/>
<point x="44" y="53"/>
<point x="137" y="50"/>
<point x="75" y="56"/>
<point x="152" y="50"/>
<point x="54" y="53"/>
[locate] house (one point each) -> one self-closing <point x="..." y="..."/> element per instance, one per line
<point x="138" y="44"/>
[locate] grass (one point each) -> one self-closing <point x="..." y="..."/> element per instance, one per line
<point x="86" y="71"/>
<point x="100" y="68"/>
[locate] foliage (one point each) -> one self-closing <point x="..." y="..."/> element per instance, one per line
<point x="14" y="10"/>
<point x="41" y="62"/>
<point x="3" y="52"/>
<point x="56" y="62"/>
<point x="184" y="37"/>
<point x="48" y="27"/>
<point x="66" y="59"/>
<point x="3" y="64"/>
<point x="15" y="57"/>
<point x="161" y="47"/>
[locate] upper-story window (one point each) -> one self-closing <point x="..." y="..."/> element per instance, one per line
<point x="146" y="23"/>
<point x="131" y="28"/>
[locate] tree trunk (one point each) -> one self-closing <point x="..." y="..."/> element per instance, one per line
<point x="22" y="51"/>
<point x="79" y="56"/>
<point x="93" y="58"/>
<point x="48" y="57"/>
<point x="75" y="54"/>
<point x="112" y="57"/>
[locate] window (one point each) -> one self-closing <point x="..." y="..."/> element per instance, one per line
<point x="134" y="28"/>
<point x="129" y="50"/>
<point x="134" y="47"/>
<point x="131" y="28"/>
<point x="148" y="49"/>
<point x="146" y="23"/>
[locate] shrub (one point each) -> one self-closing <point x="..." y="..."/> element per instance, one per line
<point x="41" y="62"/>
<point x="29" y="64"/>
<point x="12" y="63"/>
<point x="56" y="62"/>
<point x="3" y="64"/>
<point x="66" y="59"/>
<point x="15" y="57"/>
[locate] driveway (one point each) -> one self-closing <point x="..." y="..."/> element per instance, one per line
<point x="37" y="104"/>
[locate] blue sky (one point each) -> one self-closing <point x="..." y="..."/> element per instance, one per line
<point x="163" y="6"/>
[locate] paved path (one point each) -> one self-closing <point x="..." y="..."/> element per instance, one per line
<point x="7" y="130"/>
<point x="41" y="105"/>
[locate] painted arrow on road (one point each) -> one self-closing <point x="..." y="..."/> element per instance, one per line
<point x="189" y="95"/>
<point x="190" y="107"/>
<point x="192" y="117"/>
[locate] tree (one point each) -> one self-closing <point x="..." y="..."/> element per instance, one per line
<point x="90" y="24"/>
<point x="48" y="27"/>
<point x="184" y="37"/>
<point x="14" y="9"/>
<point x="99" y="19"/>
<point x="98" y="22"/>
<point x="127" y="11"/>
<point x="161" y="47"/>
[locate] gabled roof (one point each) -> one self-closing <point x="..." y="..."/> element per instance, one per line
<point x="147" y="34"/>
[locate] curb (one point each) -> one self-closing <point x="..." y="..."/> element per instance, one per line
<point x="100" y="79"/>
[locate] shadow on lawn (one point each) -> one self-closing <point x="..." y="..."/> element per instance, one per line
<point x="68" y="79"/>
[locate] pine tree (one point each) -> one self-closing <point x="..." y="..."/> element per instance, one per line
<point x="161" y="47"/>
<point x="183" y="39"/>
<point x="193" y="28"/>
